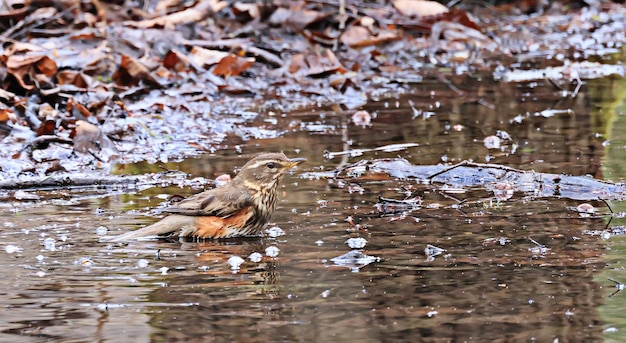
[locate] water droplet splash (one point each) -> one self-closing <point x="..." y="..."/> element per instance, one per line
<point x="255" y="257"/>
<point x="235" y="262"/>
<point x="356" y="243"/>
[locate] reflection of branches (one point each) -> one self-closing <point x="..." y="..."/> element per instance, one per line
<point x="467" y="163"/>
<point x="618" y="285"/>
<point x="78" y="180"/>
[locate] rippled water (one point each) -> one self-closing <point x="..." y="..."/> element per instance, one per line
<point x="516" y="270"/>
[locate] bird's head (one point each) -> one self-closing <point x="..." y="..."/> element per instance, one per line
<point x="265" y="170"/>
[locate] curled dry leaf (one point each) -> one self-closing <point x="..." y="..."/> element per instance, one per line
<point x="26" y="68"/>
<point x="308" y="64"/>
<point x="176" y="60"/>
<point x="298" y="19"/>
<point x="206" y="57"/>
<point x="6" y="96"/>
<point x="251" y="9"/>
<point x="75" y="78"/>
<point x="232" y="65"/>
<point x="77" y="109"/>
<point x="6" y="114"/>
<point x="131" y="72"/>
<point x="419" y="8"/>
<point x="359" y="36"/>
<point x="455" y="32"/>
<point x="199" y="12"/>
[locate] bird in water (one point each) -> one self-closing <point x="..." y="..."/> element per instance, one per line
<point x="240" y="208"/>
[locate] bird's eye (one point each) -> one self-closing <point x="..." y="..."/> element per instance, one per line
<point x="271" y="165"/>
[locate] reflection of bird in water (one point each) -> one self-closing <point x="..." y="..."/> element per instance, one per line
<point x="258" y="268"/>
<point x="209" y="273"/>
<point x="242" y="207"/>
<point x="204" y="296"/>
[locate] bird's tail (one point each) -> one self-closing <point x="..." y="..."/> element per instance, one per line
<point x="168" y="226"/>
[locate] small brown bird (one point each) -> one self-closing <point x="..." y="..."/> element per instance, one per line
<point x="242" y="207"/>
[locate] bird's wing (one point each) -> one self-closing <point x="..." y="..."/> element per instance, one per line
<point x="214" y="202"/>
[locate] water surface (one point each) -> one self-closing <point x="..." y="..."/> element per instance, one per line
<point x="516" y="270"/>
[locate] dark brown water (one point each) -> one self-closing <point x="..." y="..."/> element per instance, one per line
<point x="521" y="270"/>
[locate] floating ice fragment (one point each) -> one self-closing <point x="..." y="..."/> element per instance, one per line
<point x="50" y="244"/>
<point x="142" y="263"/>
<point x="354" y="259"/>
<point x="539" y="249"/>
<point x="552" y="112"/>
<point x="492" y="142"/>
<point x="101" y="230"/>
<point x="275" y="231"/>
<point x="40" y="273"/>
<point x="255" y="257"/>
<point x="23" y="195"/>
<point x="235" y="261"/>
<point x="84" y="261"/>
<point x="164" y="270"/>
<point x="40" y="258"/>
<point x="361" y="118"/>
<point x="585" y="210"/>
<point x="272" y="251"/>
<point x="12" y="248"/>
<point x="431" y="314"/>
<point x="356" y="243"/>
<point x="325" y="293"/>
<point x="432" y="250"/>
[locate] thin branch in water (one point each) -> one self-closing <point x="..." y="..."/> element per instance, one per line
<point x="618" y="285"/>
<point x="476" y="165"/>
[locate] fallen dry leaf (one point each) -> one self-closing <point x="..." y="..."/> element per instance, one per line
<point x="6" y="95"/>
<point x="297" y="20"/>
<point x="308" y="64"/>
<point x="232" y="65"/>
<point x="7" y="114"/>
<point x="72" y="77"/>
<point x="200" y="11"/>
<point x="251" y="9"/>
<point x="81" y="110"/>
<point x="359" y="36"/>
<point x="205" y="57"/>
<point x="176" y="60"/>
<point x="25" y="68"/>
<point x="131" y="72"/>
<point x="419" y="8"/>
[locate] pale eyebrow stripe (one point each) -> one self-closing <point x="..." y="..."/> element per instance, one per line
<point x="257" y="164"/>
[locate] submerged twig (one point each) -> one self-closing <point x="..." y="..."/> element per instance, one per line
<point x="612" y="213"/>
<point x="620" y="287"/>
<point x="77" y="180"/>
<point x="466" y="163"/>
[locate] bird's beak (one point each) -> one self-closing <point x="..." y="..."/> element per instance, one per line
<point x="295" y="161"/>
